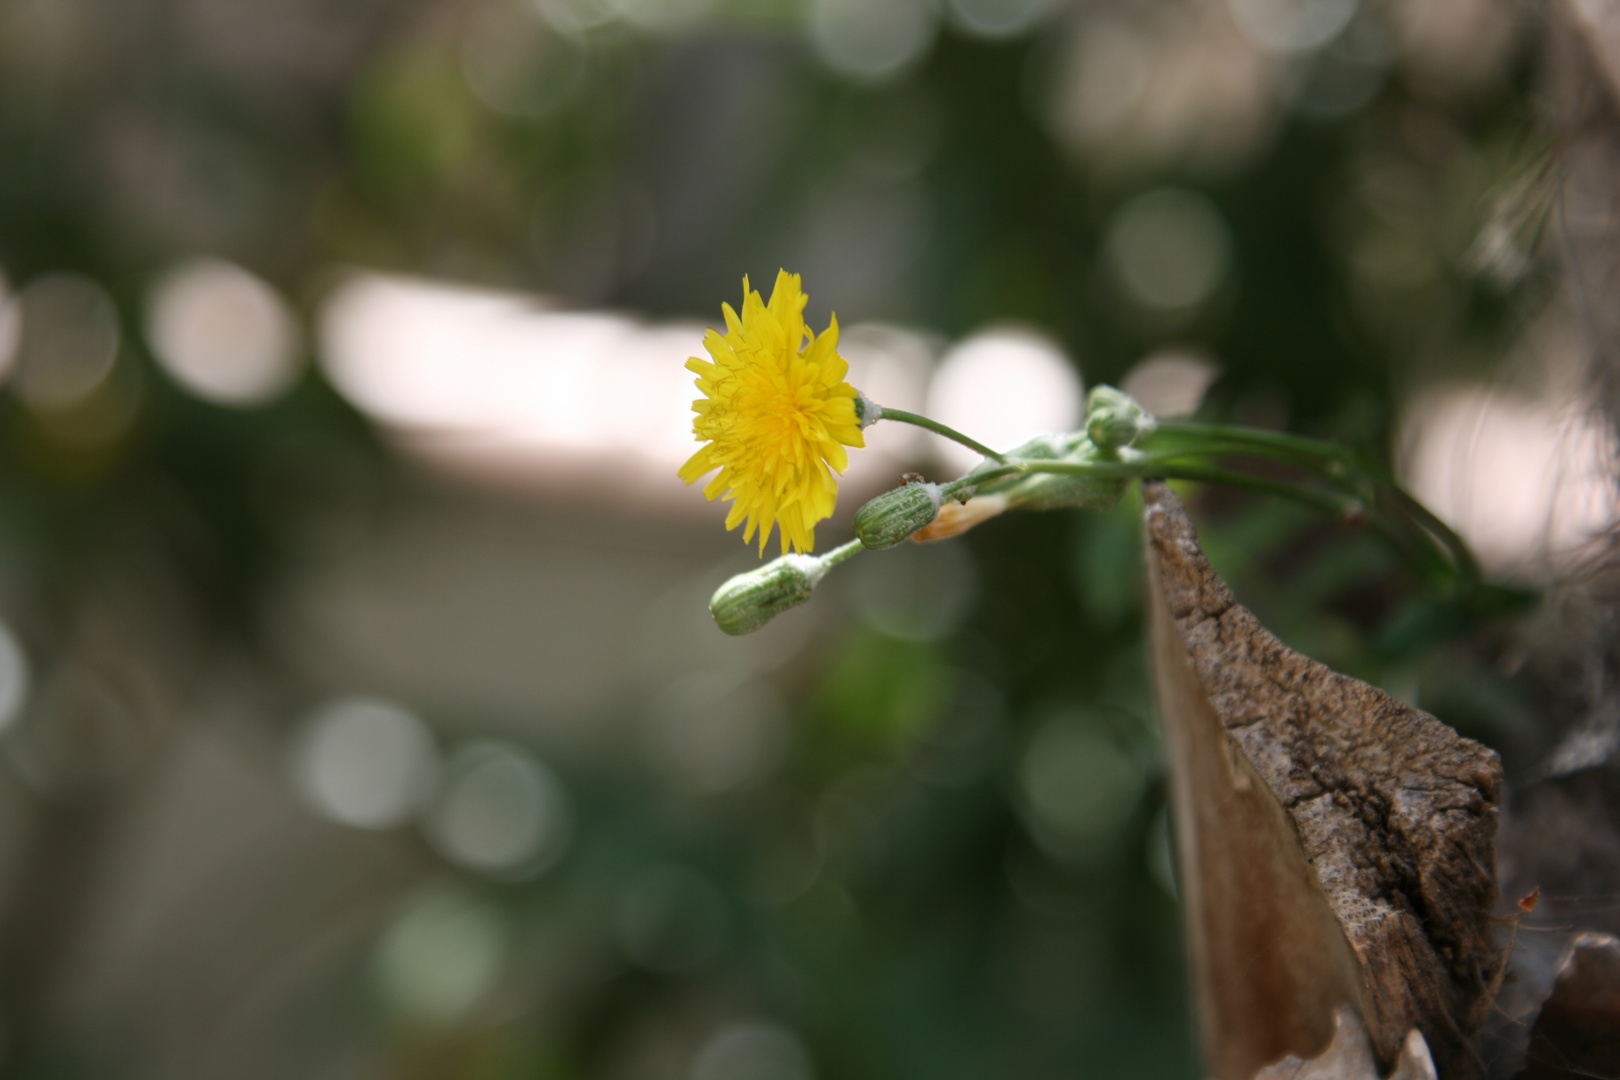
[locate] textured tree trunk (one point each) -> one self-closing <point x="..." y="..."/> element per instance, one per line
<point x="1335" y="844"/>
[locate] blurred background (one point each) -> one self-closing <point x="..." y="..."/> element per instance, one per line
<point x="360" y="711"/>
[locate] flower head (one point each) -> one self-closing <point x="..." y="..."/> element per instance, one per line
<point x="774" y="418"/>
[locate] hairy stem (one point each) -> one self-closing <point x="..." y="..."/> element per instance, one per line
<point x="938" y="429"/>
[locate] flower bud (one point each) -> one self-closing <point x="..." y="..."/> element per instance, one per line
<point x="749" y="601"/>
<point x="893" y="516"/>
<point x="1114" y="419"/>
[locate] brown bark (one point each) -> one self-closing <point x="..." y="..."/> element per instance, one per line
<point x="1336" y="844"/>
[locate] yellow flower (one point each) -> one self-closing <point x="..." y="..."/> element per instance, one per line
<point x="775" y="416"/>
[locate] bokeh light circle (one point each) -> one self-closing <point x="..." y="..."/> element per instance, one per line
<point x="1000" y="18"/>
<point x="68" y="342"/>
<point x="1170" y="248"/>
<point x="15" y="679"/>
<point x="1171" y="382"/>
<point x="222" y="333"/>
<point x="10" y="328"/>
<point x="1292" y="25"/>
<point x="366" y="762"/>
<point x="753" y="1050"/>
<point x="663" y="16"/>
<point x="517" y="64"/>
<point x="872" y="40"/>
<point x="576" y="17"/>
<point x="1002" y="386"/>
<point x="1079" y="787"/>
<point x="442" y="955"/>
<point x="500" y="811"/>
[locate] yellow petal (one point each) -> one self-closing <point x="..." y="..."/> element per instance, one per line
<point x="775" y="416"/>
<point x="698" y="464"/>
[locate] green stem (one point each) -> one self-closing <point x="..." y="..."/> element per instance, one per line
<point x="938" y="429"/>
<point x="1142" y="466"/>
<point x="1422" y="535"/>
<point x="842" y="553"/>
<point x="1275" y="443"/>
<point x="1425" y="555"/>
<point x="1165" y="465"/>
<point x="1312" y="454"/>
<point x="1461" y="555"/>
<point x="1209" y="474"/>
<point x="972" y="481"/>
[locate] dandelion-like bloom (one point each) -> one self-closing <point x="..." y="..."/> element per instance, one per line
<point x="775" y="416"/>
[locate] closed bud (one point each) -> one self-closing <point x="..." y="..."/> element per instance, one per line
<point x="893" y="516"/>
<point x="1115" y="420"/>
<point x="749" y="601"/>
